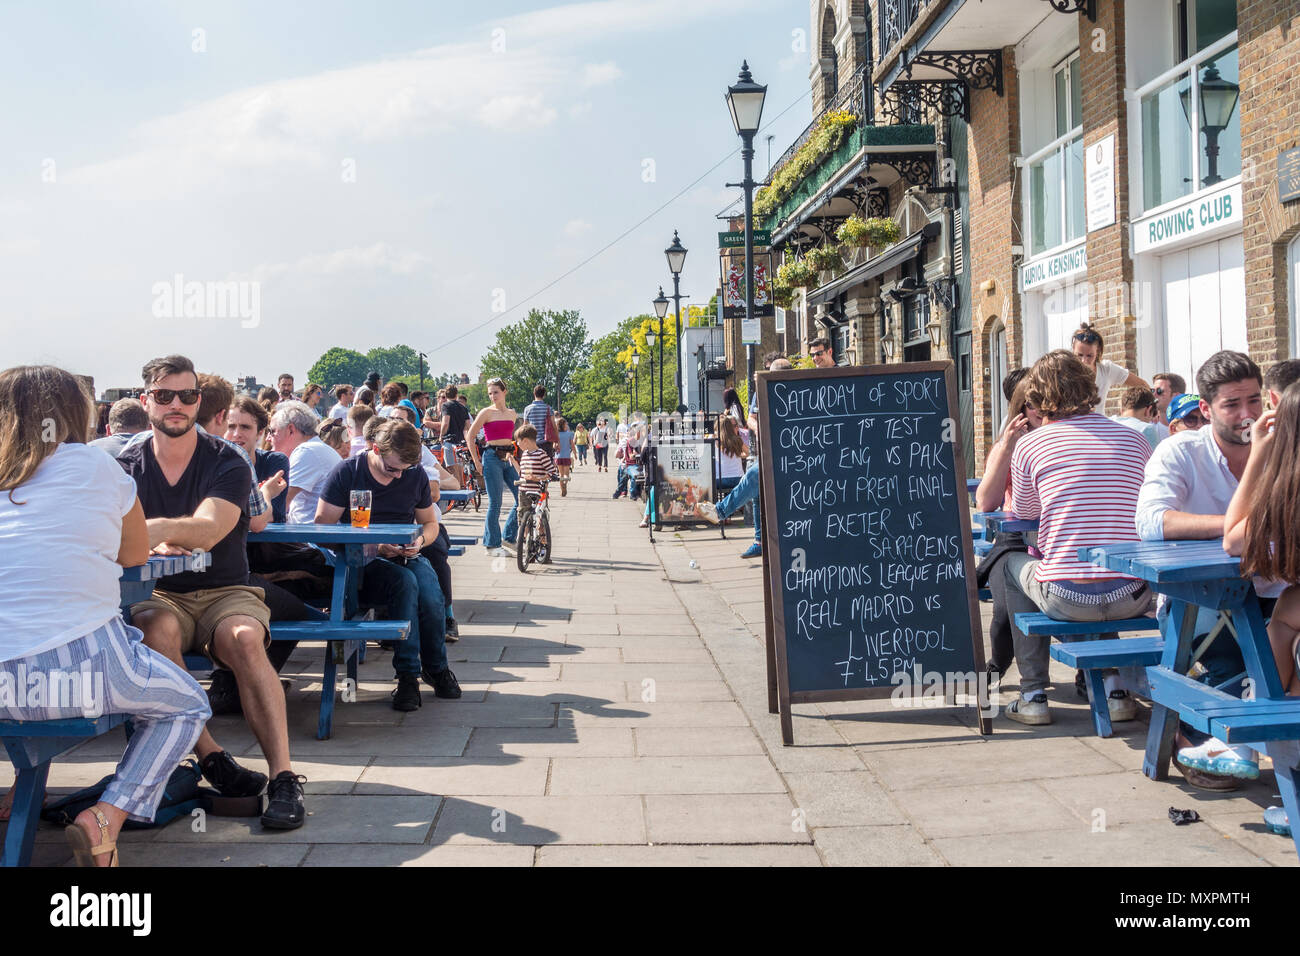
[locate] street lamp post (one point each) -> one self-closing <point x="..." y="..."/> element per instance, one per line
<point x="636" y="361"/>
<point x="676" y="254"/>
<point x="661" y="309"/>
<point x="745" y="100"/>
<point x="422" y="356"/>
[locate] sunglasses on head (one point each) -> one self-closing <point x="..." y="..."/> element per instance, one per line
<point x="1087" y="337"/>
<point x="165" y="396"/>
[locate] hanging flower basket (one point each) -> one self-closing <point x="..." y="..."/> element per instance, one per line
<point x="797" y="274"/>
<point x="877" y="232"/>
<point x="825" y="258"/>
<point x="782" y="294"/>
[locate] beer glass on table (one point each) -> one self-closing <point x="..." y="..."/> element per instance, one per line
<point x="360" y="508"/>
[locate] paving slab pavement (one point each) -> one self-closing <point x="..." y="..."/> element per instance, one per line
<point x="615" y="713"/>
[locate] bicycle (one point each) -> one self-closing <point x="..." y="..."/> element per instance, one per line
<point x="472" y="483"/>
<point x="534" y="530"/>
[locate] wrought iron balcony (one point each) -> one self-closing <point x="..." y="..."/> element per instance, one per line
<point x="855" y="96"/>
<point x="896" y="18"/>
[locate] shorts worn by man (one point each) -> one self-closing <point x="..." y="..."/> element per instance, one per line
<point x="1079" y="474"/>
<point x="194" y="489"/>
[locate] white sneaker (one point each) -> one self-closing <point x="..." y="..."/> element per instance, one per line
<point x="1216" y="757"/>
<point x="707" y="511"/>
<point x="1030" y="710"/>
<point x="1121" y="706"/>
<point x="496" y="552"/>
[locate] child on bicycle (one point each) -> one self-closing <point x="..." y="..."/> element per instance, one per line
<point x="535" y="468"/>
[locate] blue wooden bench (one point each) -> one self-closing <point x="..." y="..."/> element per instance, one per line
<point x="31" y="746"/>
<point x="464" y="539"/>
<point x="1232" y="720"/>
<point x="1092" y="657"/>
<point x="343" y="642"/>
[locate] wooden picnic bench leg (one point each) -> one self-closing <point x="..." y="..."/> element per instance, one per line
<point x="1285" y="755"/>
<point x="1100" y="708"/>
<point x="1178" y="631"/>
<point x="29" y="797"/>
<point x="325" y="725"/>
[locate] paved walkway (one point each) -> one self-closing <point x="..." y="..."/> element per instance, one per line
<point x="615" y="712"/>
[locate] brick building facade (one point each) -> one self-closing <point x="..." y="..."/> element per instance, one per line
<point x="977" y="125"/>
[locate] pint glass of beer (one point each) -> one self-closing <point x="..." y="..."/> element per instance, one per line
<point x="360" y="507"/>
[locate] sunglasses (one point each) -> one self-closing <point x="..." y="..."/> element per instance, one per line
<point x="1160" y="391"/>
<point x="165" y="396"/>
<point x="819" y="352"/>
<point x="1193" y="419"/>
<point x="1087" y="338"/>
<point x="395" y="471"/>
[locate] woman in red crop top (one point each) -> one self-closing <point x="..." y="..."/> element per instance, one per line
<point x="498" y="468"/>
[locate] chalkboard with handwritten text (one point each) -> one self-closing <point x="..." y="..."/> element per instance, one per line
<point x="870" y="573"/>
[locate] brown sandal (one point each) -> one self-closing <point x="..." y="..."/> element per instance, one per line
<point x="81" y="849"/>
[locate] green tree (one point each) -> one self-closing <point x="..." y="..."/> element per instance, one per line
<point x="338" y="366"/>
<point x="394" y="361"/>
<point x="546" y="348"/>
<point x="600" y="387"/>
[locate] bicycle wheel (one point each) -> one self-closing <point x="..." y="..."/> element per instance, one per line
<point x="527" y="545"/>
<point x="544" y="541"/>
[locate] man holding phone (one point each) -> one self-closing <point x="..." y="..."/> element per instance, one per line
<point x="400" y="577"/>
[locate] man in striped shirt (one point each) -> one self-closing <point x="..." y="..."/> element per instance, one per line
<point x="1079" y="475"/>
<point x="538" y="414"/>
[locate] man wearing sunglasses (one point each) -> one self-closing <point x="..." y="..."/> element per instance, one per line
<point x="401" y="578"/>
<point x="194" y="488"/>
<point x="1188" y="484"/>
<point x="820" y="350"/>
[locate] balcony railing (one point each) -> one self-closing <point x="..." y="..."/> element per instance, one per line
<point x="855" y="96"/>
<point x="896" y="18"/>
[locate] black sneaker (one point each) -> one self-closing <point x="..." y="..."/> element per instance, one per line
<point x="229" y="778"/>
<point x="223" y="694"/>
<point x="1081" y="685"/>
<point x="444" y="683"/>
<point x="453" y="631"/>
<point x="284" y="807"/>
<point x="407" y="694"/>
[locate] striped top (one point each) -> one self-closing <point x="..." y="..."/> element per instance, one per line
<point x="1080" y="478"/>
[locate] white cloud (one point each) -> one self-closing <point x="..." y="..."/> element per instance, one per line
<point x="374" y="258"/>
<point x="580" y="109"/>
<point x="577" y="227"/>
<point x="19" y="247"/>
<point x="598" y="74"/>
<point x="515" y="112"/>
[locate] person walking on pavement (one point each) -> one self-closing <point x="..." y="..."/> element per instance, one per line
<point x="542" y="417"/>
<point x="497" y="422"/>
<point x="600" y="444"/>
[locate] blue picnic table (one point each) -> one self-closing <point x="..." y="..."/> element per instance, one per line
<point x="33" y="745"/>
<point x="1200" y="574"/>
<point x="460" y="494"/>
<point x="344" y="638"/>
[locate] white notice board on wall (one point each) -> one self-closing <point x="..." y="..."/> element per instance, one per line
<point x="1099" y="177"/>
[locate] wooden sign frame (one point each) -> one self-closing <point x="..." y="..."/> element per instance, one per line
<point x="780" y="696"/>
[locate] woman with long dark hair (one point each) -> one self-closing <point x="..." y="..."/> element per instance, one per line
<point x="1262" y="525"/>
<point x="496" y="464"/>
<point x="62" y="551"/>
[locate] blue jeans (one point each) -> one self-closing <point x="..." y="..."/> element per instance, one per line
<point x="411" y="593"/>
<point x="497" y="475"/>
<point x="746" y="490"/>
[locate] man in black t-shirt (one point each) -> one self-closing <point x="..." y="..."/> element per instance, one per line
<point x="455" y="418"/>
<point x="194" y="489"/>
<point x="400" y="578"/>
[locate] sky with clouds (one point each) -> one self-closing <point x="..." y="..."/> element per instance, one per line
<point x="251" y="183"/>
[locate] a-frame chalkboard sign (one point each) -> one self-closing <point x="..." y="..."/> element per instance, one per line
<point x="868" y="565"/>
